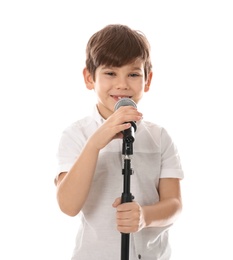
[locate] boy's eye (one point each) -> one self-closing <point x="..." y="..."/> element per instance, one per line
<point x="133" y="75"/>
<point x="110" y="73"/>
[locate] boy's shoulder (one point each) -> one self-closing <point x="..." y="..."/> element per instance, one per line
<point x="152" y="128"/>
<point x="81" y="123"/>
<point x="80" y="129"/>
<point x="151" y="125"/>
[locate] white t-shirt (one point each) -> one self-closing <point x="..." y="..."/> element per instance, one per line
<point x="154" y="157"/>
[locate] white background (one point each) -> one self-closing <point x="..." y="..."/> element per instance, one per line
<point x="42" y="53"/>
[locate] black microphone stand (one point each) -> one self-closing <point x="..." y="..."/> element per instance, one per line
<point x="127" y="150"/>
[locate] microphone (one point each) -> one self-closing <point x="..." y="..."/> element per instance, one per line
<point x="128" y="134"/>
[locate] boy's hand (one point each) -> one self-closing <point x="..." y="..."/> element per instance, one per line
<point x="114" y="125"/>
<point x="129" y="216"/>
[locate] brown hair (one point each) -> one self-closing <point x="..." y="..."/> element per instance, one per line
<point x="117" y="45"/>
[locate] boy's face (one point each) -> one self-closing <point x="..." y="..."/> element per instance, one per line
<point x="113" y="83"/>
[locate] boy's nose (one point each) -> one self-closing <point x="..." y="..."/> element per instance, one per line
<point x="122" y="85"/>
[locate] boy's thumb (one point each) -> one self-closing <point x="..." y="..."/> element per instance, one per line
<point x="117" y="202"/>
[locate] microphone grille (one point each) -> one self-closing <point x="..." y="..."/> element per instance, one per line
<point x="125" y="102"/>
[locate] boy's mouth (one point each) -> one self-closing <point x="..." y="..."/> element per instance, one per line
<point x="120" y="97"/>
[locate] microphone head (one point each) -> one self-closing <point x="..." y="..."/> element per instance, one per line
<point x="125" y="102"/>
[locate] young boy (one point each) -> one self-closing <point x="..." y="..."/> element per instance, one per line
<point x="89" y="179"/>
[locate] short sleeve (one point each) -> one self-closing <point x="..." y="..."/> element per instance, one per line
<point x="170" y="159"/>
<point x="68" y="151"/>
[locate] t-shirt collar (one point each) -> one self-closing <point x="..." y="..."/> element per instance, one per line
<point x="96" y="115"/>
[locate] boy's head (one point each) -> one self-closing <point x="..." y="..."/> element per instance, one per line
<point x="117" y="45"/>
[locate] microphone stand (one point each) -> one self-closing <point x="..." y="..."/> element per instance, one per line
<point x="127" y="150"/>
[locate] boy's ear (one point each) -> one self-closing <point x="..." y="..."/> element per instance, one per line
<point x="148" y="82"/>
<point x="88" y="79"/>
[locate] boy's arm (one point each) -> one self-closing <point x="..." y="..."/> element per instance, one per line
<point x="73" y="186"/>
<point x="169" y="206"/>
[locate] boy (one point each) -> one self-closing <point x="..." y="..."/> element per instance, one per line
<point x="89" y="180"/>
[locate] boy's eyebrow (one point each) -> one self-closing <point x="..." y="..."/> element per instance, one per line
<point x="107" y="67"/>
<point x="113" y="67"/>
<point x="137" y="68"/>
